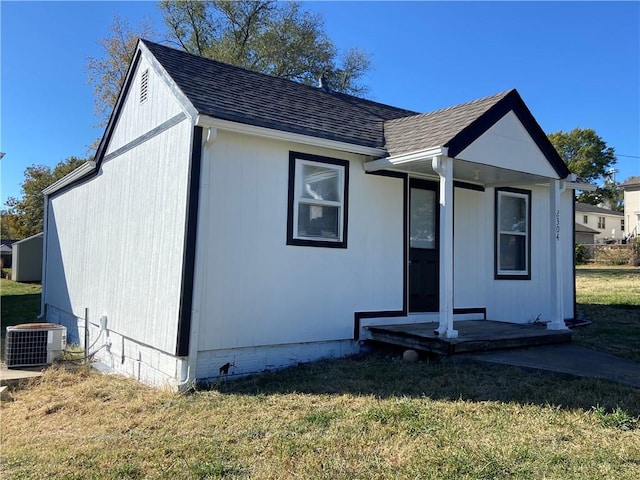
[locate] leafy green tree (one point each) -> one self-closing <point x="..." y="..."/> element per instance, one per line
<point x="27" y="213"/>
<point x="588" y="156"/>
<point x="8" y="225"/>
<point x="277" y="38"/>
<point x="107" y="73"/>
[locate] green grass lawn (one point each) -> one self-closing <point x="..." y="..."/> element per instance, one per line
<point x="19" y="303"/>
<point x="367" y="417"/>
<point x="610" y="298"/>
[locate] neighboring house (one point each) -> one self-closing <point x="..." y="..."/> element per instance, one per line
<point x="584" y="234"/>
<point x="6" y="252"/>
<point x="27" y="259"/>
<point x="609" y="224"/>
<point x="632" y="206"/>
<point x="296" y="216"/>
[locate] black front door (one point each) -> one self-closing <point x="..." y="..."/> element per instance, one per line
<point x="423" y="246"/>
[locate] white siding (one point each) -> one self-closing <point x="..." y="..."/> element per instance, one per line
<point x="612" y="225"/>
<point x="518" y="301"/>
<point x="258" y="291"/>
<point x="136" y="118"/>
<point x="473" y="247"/>
<point x="507" y="144"/>
<point x="632" y="210"/>
<point x="115" y="243"/>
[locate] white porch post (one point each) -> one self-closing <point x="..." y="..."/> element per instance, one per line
<point x="444" y="168"/>
<point x="556" y="283"/>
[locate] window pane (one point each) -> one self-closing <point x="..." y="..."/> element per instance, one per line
<point x="423" y="218"/>
<point x="320" y="183"/>
<point x="513" y="214"/>
<point x="318" y="221"/>
<point x="513" y="252"/>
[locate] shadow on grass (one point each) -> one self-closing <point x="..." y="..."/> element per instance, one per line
<point x="610" y="272"/>
<point x="384" y="375"/>
<point x="17" y="309"/>
<point x="615" y="329"/>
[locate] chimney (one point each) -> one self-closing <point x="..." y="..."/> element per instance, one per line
<point x="323" y="83"/>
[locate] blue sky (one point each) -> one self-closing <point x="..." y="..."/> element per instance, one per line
<point x="576" y="64"/>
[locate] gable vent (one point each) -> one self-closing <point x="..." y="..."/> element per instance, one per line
<point x="144" y="85"/>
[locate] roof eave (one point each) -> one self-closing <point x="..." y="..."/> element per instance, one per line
<point x="237" y="127"/>
<point x="82" y="171"/>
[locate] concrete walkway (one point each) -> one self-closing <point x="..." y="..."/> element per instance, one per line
<point x="568" y="359"/>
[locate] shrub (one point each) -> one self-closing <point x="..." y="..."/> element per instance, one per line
<point x="581" y="254"/>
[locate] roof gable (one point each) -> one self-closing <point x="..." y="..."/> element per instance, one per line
<point x="458" y="127"/>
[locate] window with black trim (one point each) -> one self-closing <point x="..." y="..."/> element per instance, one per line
<point x="318" y="201"/>
<point x="513" y="234"/>
<point x="601" y="223"/>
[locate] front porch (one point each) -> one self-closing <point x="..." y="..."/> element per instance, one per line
<point x="473" y="336"/>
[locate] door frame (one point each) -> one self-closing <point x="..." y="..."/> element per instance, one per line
<point x="434" y="186"/>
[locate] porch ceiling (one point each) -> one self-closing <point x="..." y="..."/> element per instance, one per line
<point x="471" y="172"/>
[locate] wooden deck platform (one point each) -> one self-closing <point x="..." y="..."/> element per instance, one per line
<point x="473" y="336"/>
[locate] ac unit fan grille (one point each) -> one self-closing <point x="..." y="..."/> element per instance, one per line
<point x="26" y="348"/>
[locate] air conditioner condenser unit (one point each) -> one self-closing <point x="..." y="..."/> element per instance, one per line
<point x="33" y="344"/>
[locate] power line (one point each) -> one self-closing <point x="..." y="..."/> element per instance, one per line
<point x="629" y="156"/>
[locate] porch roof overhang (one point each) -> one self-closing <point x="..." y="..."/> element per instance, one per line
<point x="479" y="174"/>
<point x="493" y="141"/>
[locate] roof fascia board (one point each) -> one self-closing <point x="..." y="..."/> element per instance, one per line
<point x="115" y="113"/>
<point x="210" y="122"/>
<point x="511" y="102"/>
<point x="83" y="170"/>
<point x="426" y="154"/>
<point x="141" y="49"/>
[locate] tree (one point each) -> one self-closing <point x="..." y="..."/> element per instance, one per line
<point x="107" y="73"/>
<point x="8" y="225"/>
<point x="276" y="38"/>
<point x="26" y="215"/>
<point x="588" y="156"/>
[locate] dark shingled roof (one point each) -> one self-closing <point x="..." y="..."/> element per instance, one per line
<point x="580" y="228"/>
<point x="435" y="129"/>
<point x="232" y="93"/>
<point x="585" y="207"/>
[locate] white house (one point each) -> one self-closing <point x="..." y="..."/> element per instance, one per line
<point x="237" y="222"/>
<point x="608" y="224"/>
<point x="632" y="206"/>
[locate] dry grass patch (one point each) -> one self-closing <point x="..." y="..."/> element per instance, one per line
<point x="329" y="420"/>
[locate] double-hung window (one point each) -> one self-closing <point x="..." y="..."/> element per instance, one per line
<point x="513" y="234"/>
<point x="318" y="191"/>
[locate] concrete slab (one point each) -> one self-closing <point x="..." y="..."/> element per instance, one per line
<point x="568" y="359"/>
<point x="11" y="376"/>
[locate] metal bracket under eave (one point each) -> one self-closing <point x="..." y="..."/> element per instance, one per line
<point x="397" y="160"/>
<point x="576" y="183"/>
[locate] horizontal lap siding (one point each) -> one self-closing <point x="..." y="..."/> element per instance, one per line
<point x="260" y="291"/>
<point x="115" y="243"/>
